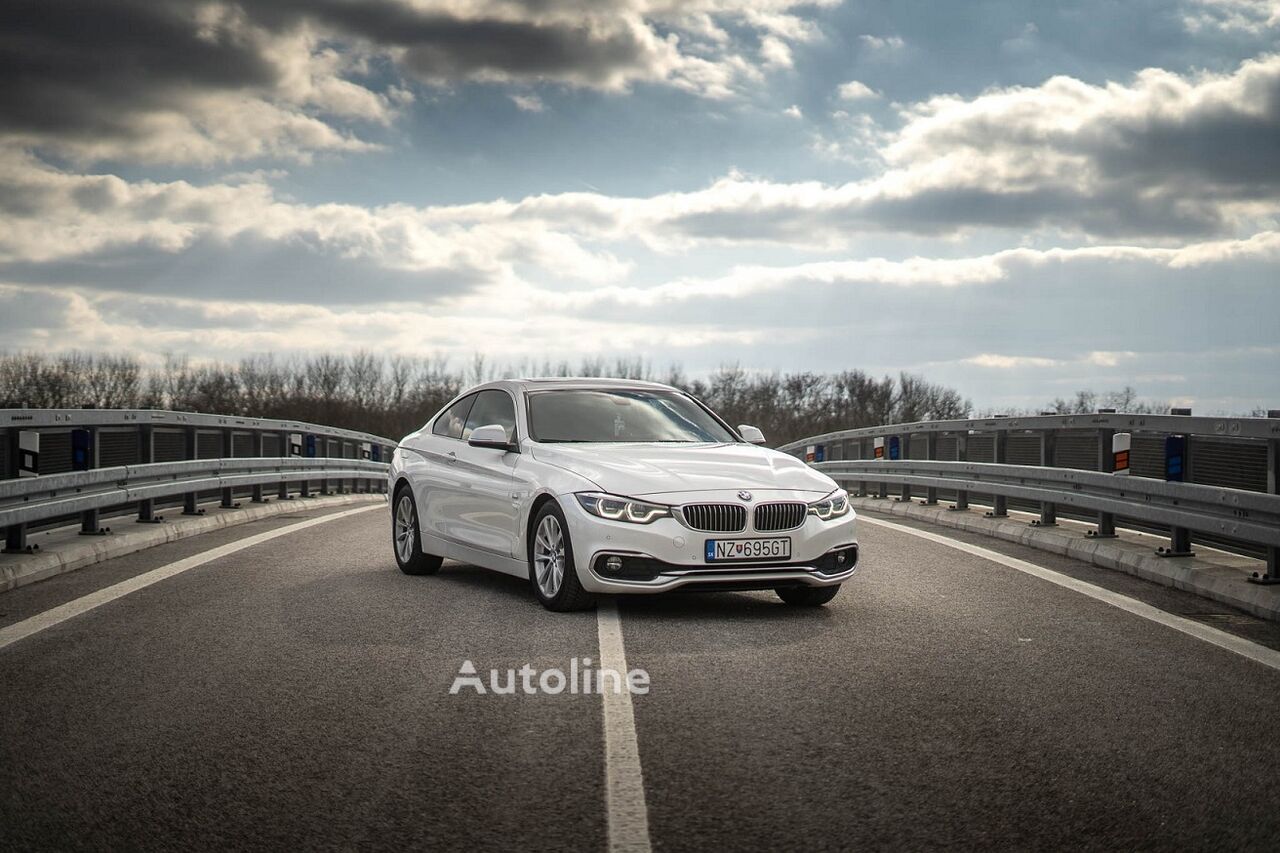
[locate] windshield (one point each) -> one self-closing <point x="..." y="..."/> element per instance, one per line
<point x="598" y="415"/>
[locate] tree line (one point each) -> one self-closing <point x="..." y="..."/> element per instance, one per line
<point x="394" y="396"/>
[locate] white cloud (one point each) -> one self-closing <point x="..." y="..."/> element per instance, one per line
<point x="996" y="361"/>
<point x="528" y="103"/>
<point x="882" y="43"/>
<point x="793" y="111"/>
<point x="775" y="52"/>
<point x="1164" y="156"/>
<point x="789" y="27"/>
<point x="218" y="81"/>
<point x="1249" y="16"/>
<point x="217" y="329"/>
<point x="856" y="91"/>
<point x="919" y="272"/>
<point x="69" y="216"/>
<point x="1164" y="152"/>
<point x="1097" y="358"/>
<point x="66" y="215"/>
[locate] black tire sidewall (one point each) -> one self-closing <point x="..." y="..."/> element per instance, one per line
<point x="420" y="562"/>
<point x="402" y="493"/>
<point x="570" y="566"/>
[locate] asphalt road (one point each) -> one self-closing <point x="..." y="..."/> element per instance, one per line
<point x="297" y="694"/>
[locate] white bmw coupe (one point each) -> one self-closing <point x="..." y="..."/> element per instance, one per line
<point x="589" y="486"/>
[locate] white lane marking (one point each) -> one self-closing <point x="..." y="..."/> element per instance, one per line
<point x="628" y="816"/>
<point x="34" y="625"/>
<point x="1221" y="639"/>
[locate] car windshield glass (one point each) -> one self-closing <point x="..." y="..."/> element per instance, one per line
<point x="620" y="415"/>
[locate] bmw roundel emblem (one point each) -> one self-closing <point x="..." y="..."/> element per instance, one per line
<point x="744" y="495"/>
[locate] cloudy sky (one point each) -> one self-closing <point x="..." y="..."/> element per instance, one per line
<point x="1016" y="198"/>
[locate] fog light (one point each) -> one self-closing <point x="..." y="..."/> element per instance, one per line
<point x="613" y="564"/>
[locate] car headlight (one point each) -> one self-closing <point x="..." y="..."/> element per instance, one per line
<point x="832" y="506"/>
<point x="615" y="508"/>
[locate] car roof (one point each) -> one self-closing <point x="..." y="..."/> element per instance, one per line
<point x="551" y="383"/>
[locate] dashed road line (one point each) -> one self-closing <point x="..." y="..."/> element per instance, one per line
<point x="627" y="814"/>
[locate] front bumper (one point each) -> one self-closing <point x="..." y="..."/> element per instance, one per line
<point x="666" y="555"/>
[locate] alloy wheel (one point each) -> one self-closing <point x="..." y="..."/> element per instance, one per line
<point x="406" y="528"/>
<point x="548" y="556"/>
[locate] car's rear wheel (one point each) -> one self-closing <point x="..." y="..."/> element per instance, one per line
<point x="808" y="596"/>
<point x="551" y="566"/>
<point x="405" y="540"/>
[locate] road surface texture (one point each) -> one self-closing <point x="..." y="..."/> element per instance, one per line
<point x="295" y="693"/>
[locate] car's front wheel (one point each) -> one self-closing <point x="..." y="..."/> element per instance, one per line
<point x="551" y="567"/>
<point x="808" y="596"/>
<point x="405" y="540"/>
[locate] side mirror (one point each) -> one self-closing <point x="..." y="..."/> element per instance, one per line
<point x="751" y="434"/>
<point x="490" y="435"/>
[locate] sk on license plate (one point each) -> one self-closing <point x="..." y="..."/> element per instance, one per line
<point x="723" y="550"/>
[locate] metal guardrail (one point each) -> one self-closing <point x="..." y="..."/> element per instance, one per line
<point x="38" y="498"/>
<point x="1254" y="428"/>
<point x="1233" y="513"/>
<point x="1215" y="477"/>
<point x="60" y="464"/>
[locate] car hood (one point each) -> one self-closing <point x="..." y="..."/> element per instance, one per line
<point x="651" y="469"/>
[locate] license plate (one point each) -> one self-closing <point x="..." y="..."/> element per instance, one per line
<point x="726" y="550"/>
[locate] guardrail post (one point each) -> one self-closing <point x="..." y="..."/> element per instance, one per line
<point x="228" y="452"/>
<point x="342" y="483"/>
<point x="1273" y="487"/>
<point x="1048" y="446"/>
<point x="1106" y="464"/>
<point x="962" y="455"/>
<point x="190" y="499"/>
<point x="1179" y="544"/>
<point x="89" y="518"/>
<point x="881" y="453"/>
<point x="15" y="540"/>
<point x="321" y="441"/>
<point x="1180" y="537"/>
<point x="308" y="451"/>
<point x="999" y="503"/>
<point x="862" y="484"/>
<point x="259" y="450"/>
<point x="15" y="535"/>
<point x="904" y="452"/>
<point x="286" y="451"/>
<point x="931" y="446"/>
<point x="147" y="455"/>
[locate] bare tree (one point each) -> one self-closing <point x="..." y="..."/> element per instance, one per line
<point x="397" y="395"/>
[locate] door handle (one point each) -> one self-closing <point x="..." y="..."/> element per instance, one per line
<point x="451" y="457"/>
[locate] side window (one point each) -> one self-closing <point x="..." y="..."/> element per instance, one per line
<point x="454" y="418"/>
<point x="492" y="407"/>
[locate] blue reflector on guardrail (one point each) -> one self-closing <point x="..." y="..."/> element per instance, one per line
<point x="81" y="450"/>
<point x="1175" y="451"/>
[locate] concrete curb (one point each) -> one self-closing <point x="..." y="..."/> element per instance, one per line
<point x="68" y="552"/>
<point x="1212" y="574"/>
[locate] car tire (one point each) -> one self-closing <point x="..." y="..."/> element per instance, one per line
<point x="808" y="596"/>
<point x="550" y="551"/>
<point x="405" y="539"/>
